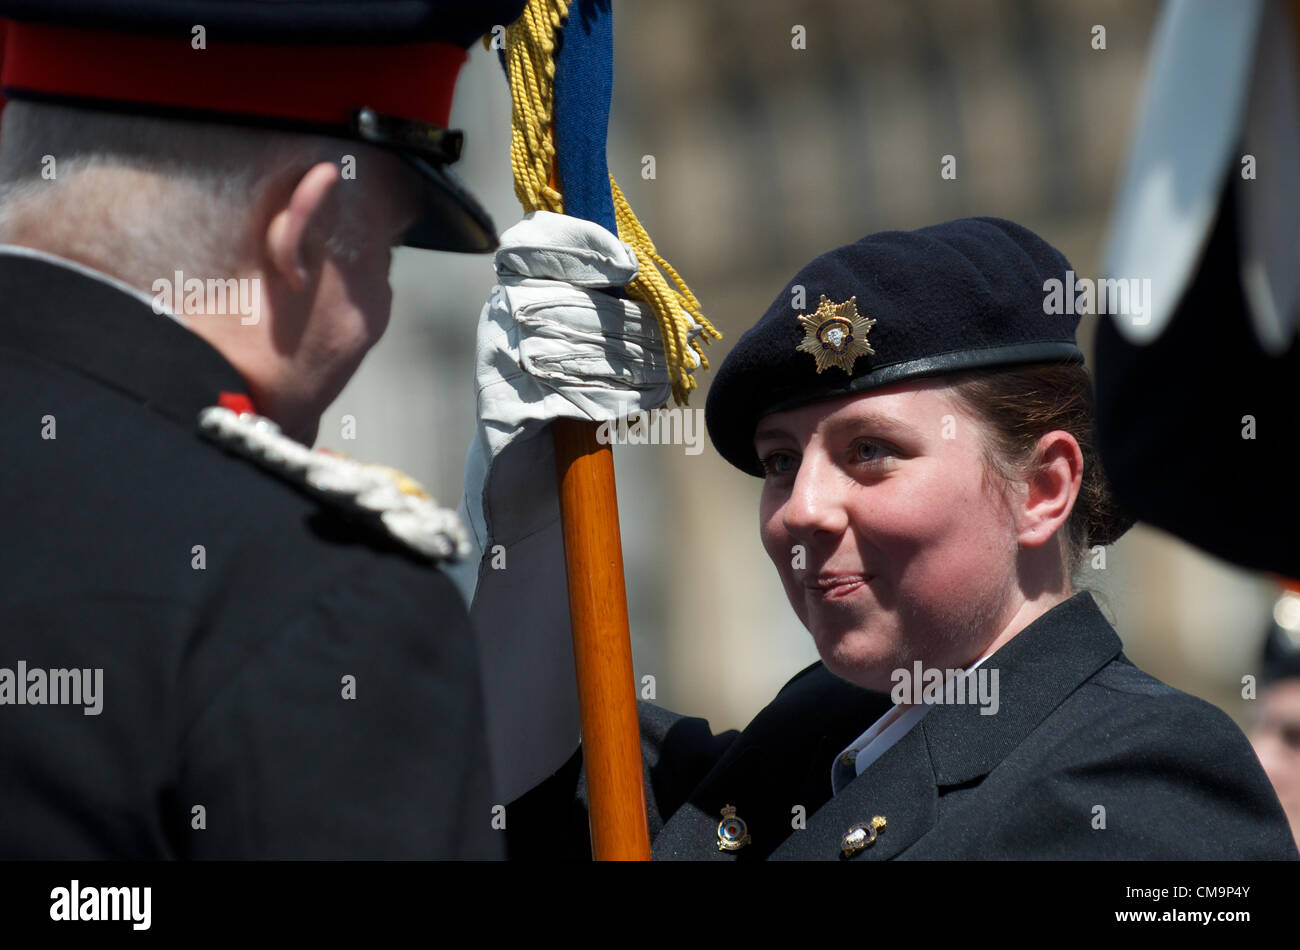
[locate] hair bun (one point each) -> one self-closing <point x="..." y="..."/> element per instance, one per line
<point x="1106" y="521"/>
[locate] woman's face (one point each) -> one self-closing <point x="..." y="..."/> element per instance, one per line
<point x="892" y="541"/>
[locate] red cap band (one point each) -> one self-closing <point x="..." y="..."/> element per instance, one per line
<point x="312" y="84"/>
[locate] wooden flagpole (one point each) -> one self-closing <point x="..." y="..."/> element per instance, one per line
<point x="602" y="640"/>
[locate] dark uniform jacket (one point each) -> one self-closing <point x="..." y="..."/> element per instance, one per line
<point x="224" y="730"/>
<point x="1086" y="757"/>
<point x="1243" y="507"/>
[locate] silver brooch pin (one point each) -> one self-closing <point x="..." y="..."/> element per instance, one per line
<point x="861" y="836"/>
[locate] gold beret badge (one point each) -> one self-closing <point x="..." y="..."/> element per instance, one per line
<point x="836" y="334"/>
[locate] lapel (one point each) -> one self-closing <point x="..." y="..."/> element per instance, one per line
<point x="65" y="318"/>
<point x="1037" y="670"/>
<point x="956" y="745"/>
<point x="899" y="786"/>
<point x="780" y="763"/>
<point x="776" y="763"/>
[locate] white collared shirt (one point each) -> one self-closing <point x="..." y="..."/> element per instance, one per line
<point x="854" y="759"/>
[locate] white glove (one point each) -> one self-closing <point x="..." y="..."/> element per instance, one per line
<point x="550" y="345"/>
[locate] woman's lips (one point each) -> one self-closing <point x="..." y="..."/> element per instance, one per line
<point x="833" y="587"/>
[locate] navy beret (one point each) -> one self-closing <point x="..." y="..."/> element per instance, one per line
<point x="381" y="72"/>
<point x="897" y="305"/>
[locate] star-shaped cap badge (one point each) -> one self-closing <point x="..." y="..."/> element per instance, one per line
<point x="836" y="335"/>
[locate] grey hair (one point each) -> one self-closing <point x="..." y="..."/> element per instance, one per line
<point x="139" y="196"/>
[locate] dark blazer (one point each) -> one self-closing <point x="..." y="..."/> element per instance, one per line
<point x="1078" y="727"/>
<point x="222" y="686"/>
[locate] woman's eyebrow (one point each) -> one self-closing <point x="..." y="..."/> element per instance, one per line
<point x="872" y="418"/>
<point x="766" y="434"/>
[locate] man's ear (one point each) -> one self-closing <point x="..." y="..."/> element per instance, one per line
<point x="1053" y="487"/>
<point x="296" y="235"/>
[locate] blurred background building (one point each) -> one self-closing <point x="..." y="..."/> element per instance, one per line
<point x="765" y="155"/>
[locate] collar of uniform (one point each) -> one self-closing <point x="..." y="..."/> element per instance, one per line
<point x="954" y="744"/>
<point x="1037" y="670"/>
<point x="879" y="737"/>
<point x="876" y="740"/>
<point x="92" y="324"/>
<point x="32" y="253"/>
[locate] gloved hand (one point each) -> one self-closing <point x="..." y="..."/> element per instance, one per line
<point x="551" y="345"/>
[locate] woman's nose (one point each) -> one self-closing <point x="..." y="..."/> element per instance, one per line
<point x="816" y="502"/>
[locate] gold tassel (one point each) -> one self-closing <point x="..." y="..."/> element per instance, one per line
<point x="530" y="68"/>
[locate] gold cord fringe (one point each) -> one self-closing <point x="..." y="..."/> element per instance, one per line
<point x="530" y="67"/>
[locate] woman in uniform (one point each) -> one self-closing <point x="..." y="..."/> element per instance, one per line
<point x="918" y="409"/>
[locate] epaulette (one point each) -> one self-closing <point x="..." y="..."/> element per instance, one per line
<point x="390" y="500"/>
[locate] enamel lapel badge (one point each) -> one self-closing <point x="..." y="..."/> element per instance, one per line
<point x="733" y="833"/>
<point x="861" y="836"/>
<point x="836" y="334"/>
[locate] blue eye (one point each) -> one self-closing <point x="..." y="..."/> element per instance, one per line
<point x="778" y="463"/>
<point x="867" y="452"/>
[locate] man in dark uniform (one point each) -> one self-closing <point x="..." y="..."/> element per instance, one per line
<point x="214" y="642"/>
<point x="1041" y="740"/>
